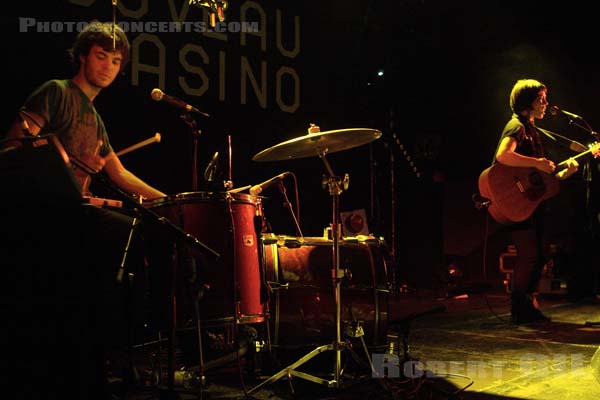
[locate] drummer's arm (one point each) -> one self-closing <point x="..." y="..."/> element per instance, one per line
<point x="126" y="180"/>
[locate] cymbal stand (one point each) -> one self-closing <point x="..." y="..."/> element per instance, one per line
<point x="335" y="186"/>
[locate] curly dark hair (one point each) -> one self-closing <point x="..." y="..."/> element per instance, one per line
<point x="524" y="93"/>
<point x="101" y="34"/>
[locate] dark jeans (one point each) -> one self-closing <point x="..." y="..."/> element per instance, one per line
<point x="528" y="238"/>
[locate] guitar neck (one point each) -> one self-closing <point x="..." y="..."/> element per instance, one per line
<point x="564" y="163"/>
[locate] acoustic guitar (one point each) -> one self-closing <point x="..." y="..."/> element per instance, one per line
<point x="515" y="192"/>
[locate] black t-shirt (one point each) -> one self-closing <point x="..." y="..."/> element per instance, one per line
<point x="526" y="135"/>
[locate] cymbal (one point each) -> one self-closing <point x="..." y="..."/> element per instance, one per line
<point x="317" y="144"/>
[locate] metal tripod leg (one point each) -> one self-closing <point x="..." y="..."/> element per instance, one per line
<point x="290" y="370"/>
<point x="335" y="186"/>
<point x="121" y="271"/>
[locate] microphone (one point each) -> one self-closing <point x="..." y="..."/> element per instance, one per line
<point x="209" y="172"/>
<point x="555" y="110"/>
<point x="257" y="189"/>
<point x="216" y="9"/>
<point x="221" y="6"/>
<point x="158" y="95"/>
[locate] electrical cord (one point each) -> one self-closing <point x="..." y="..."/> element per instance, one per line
<point x="454" y="393"/>
<point x="482" y="203"/>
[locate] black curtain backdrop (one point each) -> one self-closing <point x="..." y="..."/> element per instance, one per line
<point x="440" y="104"/>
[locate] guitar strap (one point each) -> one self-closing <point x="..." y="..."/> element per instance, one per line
<point x="563" y="140"/>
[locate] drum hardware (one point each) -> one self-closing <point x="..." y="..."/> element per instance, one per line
<point x="211" y="169"/>
<point x="240" y="189"/>
<point x="257" y="189"/>
<point x="148" y="214"/>
<point x="314" y="143"/>
<point x="288" y="205"/>
<point x="354" y="330"/>
<point x="273" y="286"/>
<point x="133" y="203"/>
<point x="228" y="297"/>
<point x="228" y="184"/>
<point x="195" y="133"/>
<point x="318" y="143"/>
<point x="121" y="271"/>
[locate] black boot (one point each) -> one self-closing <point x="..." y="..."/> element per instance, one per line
<point x="523" y="310"/>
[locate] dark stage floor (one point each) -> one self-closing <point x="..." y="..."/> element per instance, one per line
<point x="460" y="346"/>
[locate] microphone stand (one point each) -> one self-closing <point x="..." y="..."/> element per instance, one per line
<point x="587" y="170"/>
<point x="145" y="212"/>
<point x="288" y="205"/>
<point x="228" y="184"/>
<point x="160" y="221"/>
<point x="585" y="127"/>
<point x="195" y="133"/>
<point x="587" y="175"/>
<point x="335" y="185"/>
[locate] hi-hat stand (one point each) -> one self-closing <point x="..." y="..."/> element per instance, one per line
<point x="335" y="185"/>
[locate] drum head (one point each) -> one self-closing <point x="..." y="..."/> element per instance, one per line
<point x="197" y="197"/>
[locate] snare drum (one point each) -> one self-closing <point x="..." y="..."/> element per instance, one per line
<point x="302" y="301"/>
<point x="228" y="288"/>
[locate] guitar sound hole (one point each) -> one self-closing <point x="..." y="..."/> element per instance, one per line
<point x="537" y="188"/>
<point x="535" y="179"/>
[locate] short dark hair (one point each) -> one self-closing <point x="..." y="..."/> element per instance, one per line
<point x="101" y="34"/>
<point x="524" y="93"/>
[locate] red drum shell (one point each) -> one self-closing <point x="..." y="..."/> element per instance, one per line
<point x="225" y="223"/>
<point x="302" y="302"/>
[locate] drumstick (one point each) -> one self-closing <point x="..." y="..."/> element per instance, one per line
<point x="153" y="139"/>
<point x="86" y="181"/>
